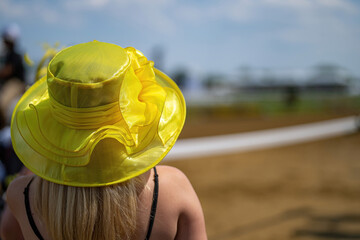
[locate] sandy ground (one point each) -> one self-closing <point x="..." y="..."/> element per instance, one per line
<point x="305" y="191"/>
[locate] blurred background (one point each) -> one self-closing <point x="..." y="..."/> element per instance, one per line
<point x="243" y="66"/>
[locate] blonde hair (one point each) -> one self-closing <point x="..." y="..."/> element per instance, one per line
<point x="85" y="213"/>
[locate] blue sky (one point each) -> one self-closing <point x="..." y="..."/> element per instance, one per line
<point x="203" y="36"/>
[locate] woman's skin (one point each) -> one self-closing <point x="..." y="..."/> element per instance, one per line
<point x="179" y="214"/>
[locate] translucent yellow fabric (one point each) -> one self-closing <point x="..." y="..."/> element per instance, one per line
<point x="102" y="115"/>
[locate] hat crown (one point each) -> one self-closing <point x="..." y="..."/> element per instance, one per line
<point x="87" y="74"/>
<point x="90" y="62"/>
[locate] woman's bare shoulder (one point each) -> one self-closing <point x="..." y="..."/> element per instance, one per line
<point x="181" y="195"/>
<point x="169" y="172"/>
<point x="19" y="182"/>
<point x="176" y="184"/>
<point x="14" y="192"/>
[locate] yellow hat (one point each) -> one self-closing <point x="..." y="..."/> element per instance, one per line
<point x="102" y="115"/>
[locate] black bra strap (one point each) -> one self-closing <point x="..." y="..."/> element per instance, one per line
<point x="153" y="205"/>
<point x="28" y="211"/>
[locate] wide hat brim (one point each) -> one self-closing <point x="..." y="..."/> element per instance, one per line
<point x="91" y="157"/>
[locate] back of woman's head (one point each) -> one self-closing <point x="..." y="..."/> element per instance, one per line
<point x="101" y="117"/>
<point x="85" y="213"/>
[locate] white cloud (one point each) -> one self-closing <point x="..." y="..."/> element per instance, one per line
<point x="319" y="25"/>
<point x="84" y="5"/>
<point x="98" y="3"/>
<point x="164" y="13"/>
<point x="249" y="10"/>
<point x="11" y="10"/>
<point x="138" y="13"/>
<point x="339" y="5"/>
<point x="41" y="12"/>
<point x="310" y="5"/>
<point x="230" y="10"/>
<point x="307" y="21"/>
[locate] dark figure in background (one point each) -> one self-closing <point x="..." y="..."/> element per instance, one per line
<point x="13" y="66"/>
<point x="12" y="72"/>
<point x="291" y="97"/>
<point x="180" y="77"/>
<point x="358" y="122"/>
<point x="12" y="86"/>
